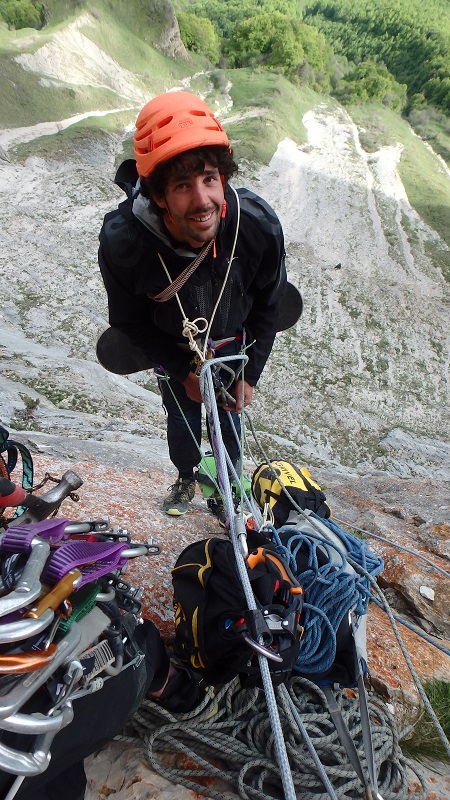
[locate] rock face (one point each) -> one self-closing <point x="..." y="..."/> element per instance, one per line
<point x="120" y="770"/>
<point x="360" y="381"/>
<point x="169" y="40"/>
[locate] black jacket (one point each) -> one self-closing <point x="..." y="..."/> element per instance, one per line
<point x="130" y="267"/>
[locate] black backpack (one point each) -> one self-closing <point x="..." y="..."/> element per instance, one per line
<point x="213" y="624"/>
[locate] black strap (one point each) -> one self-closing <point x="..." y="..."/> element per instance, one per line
<point x="370" y="785"/>
<point x="346" y="740"/>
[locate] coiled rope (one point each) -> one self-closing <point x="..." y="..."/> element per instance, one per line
<point x="331" y="589"/>
<point x="232" y="753"/>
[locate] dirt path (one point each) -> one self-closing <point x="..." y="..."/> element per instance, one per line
<point x="13" y="136"/>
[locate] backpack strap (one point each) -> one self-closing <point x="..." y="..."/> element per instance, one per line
<point x="346" y="739"/>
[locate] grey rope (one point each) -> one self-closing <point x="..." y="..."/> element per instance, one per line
<point x="237" y="534"/>
<point x="403" y="547"/>
<point x="232" y="753"/>
<point x="440" y="731"/>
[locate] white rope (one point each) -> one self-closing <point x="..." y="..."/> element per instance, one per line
<point x="236" y="234"/>
<point x="238" y="539"/>
<point x="231" y="752"/>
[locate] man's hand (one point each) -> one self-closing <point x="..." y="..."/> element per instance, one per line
<point x="192" y="386"/>
<point x="237" y="391"/>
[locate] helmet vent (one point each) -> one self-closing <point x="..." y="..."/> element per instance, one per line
<point x="172" y="124"/>
<point x="163" y="123"/>
<point x="159" y="143"/>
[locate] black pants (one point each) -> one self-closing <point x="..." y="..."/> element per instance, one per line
<point x="184" y="414"/>
<point x="97" y="719"/>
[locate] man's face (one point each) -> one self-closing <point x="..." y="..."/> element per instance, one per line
<point x="193" y="206"/>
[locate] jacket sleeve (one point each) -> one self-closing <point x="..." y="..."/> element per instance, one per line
<point x="129" y="311"/>
<point x="265" y="238"/>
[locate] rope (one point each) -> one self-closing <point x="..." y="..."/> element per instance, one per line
<point x="414" y="675"/>
<point x="233" y="752"/>
<point x="402" y="547"/>
<point x="176" y="285"/>
<point x="384" y="603"/>
<point x="331" y="589"/>
<point x="192" y="329"/>
<point x="228" y="270"/>
<point x="238" y="539"/>
<point x="419" y="556"/>
<point x="415" y="629"/>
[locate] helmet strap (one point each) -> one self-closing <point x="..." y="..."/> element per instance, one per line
<point x="171" y="219"/>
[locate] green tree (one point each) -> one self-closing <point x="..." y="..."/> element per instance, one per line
<point x="20" y="13"/>
<point x="370" y="81"/>
<point x="271" y="40"/>
<point x="198" y="34"/>
<point x="411" y="37"/>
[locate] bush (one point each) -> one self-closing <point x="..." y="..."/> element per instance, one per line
<point x="198" y="35"/>
<point x="371" y="81"/>
<point x="425" y="739"/>
<point x="20" y="13"/>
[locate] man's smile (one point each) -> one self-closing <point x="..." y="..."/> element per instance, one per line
<point x="203" y="218"/>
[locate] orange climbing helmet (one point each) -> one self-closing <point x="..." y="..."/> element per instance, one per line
<point x="169" y="125"/>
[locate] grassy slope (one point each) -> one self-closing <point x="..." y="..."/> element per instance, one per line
<point x="256" y="138"/>
<point x="426" y="182"/>
<point x="24" y="101"/>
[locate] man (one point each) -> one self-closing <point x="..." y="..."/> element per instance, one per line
<point x="186" y="258"/>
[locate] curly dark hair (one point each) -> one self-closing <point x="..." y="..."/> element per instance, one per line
<point x="192" y="162"/>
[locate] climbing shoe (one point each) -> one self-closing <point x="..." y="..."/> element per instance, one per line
<point x="184" y="691"/>
<point x="215" y="505"/>
<point x="181" y="493"/>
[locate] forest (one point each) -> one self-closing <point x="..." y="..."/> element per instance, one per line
<point x="394" y="51"/>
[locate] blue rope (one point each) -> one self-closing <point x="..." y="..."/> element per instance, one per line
<point x="358" y="549"/>
<point x="331" y="591"/>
